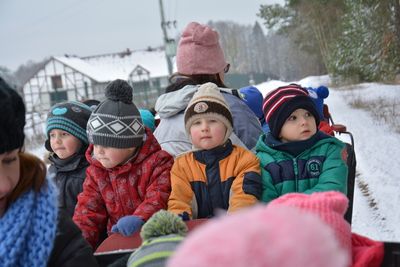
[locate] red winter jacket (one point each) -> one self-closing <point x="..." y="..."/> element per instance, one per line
<point x="140" y="187"/>
<point x="366" y="252"/>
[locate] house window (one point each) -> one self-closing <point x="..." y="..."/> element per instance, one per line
<point x="57" y="97"/>
<point x="56" y="81"/>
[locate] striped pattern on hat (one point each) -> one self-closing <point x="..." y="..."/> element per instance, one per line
<point x="209" y="102"/>
<point x="69" y="116"/>
<point x="283" y="101"/>
<point x="279" y="96"/>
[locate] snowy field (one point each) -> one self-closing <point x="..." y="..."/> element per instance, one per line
<point x="377" y="145"/>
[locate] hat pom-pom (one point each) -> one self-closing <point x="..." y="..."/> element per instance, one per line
<point x="119" y="90"/>
<point x="163" y="223"/>
<point x="322" y="91"/>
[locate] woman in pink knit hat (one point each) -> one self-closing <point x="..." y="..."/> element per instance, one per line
<point x="200" y="59"/>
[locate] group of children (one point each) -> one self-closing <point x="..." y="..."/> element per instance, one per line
<point x="113" y="175"/>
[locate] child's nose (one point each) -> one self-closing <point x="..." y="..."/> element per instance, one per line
<point x="204" y="126"/>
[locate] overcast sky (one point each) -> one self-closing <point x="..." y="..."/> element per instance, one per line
<point x="35" y="29"/>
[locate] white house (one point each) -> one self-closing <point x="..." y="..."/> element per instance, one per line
<point x="79" y="78"/>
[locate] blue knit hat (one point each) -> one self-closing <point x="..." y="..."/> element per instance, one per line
<point x="254" y="100"/>
<point x="317" y="96"/>
<point x="70" y="116"/>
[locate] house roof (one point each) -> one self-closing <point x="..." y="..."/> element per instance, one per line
<point x="108" y="67"/>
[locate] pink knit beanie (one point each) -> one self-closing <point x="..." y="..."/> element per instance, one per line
<point x="199" y="51"/>
<point x="329" y="206"/>
<point x="267" y="236"/>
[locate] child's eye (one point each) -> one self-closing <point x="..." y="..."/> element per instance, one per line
<point x="196" y="122"/>
<point x="65" y="134"/>
<point x="52" y="135"/>
<point x="212" y="121"/>
<point x="292" y="118"/>
<point x="308" y="114"/>
<point x="8" y="161"/>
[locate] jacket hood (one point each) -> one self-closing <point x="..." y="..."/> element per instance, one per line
<point x="172" y="103"/>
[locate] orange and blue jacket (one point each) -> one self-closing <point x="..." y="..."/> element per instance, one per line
<point x="226" y="177"/>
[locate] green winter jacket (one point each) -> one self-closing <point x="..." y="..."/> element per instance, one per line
<point x="321" y="167"/>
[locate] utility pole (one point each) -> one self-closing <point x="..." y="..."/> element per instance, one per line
<point x="168" y="43"/>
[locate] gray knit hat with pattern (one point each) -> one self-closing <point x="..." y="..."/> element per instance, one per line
<point x="161" y="235"/>
<point x="116" y="121"/>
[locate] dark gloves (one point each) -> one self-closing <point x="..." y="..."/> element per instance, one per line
<point x="184" y="216"/>
<point x="127" y="225"/>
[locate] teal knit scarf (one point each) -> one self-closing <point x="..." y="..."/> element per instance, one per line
<point x="28" y="228"/>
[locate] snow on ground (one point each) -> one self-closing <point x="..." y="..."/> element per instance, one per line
<point x="377" y="148"/>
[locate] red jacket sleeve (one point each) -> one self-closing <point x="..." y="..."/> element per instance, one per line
<point x="158" y="186"/>
<point x="90" y="212"/>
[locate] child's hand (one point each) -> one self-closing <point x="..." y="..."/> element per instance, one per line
<point x="127" y="225"/>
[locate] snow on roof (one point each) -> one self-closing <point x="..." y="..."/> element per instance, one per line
<point x="80" y="65"/>
<point x="108" y="67"/>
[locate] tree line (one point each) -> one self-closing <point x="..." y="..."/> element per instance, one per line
<point x="357" y="40"/>
<point x="351" y="40"/>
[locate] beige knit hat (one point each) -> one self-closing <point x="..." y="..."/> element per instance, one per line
<point x="209" y="102"/>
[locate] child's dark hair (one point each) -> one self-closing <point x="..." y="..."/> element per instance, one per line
<point x="179" y="81"/>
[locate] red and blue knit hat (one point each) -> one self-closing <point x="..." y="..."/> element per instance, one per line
<point x="283" y="101"/>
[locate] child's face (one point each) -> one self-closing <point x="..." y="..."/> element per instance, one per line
<point x="300" y="125"/>
<point x="207" y="133"/>
<point x="110" y="157"/>
<point x="63" y="143"/>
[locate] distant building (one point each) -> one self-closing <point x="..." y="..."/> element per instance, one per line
<point x="79" y="78"/>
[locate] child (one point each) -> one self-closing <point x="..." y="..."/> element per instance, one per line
<point x="128" y="178"/>
<point x="295" y="156"/>
<point x="67" y="140"/>
<point x="254" y="99"/>
<point x="217" y="174"/>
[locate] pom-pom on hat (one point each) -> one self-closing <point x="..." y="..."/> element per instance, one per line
<point x="281" y="102"/>
<point x="208" y="101"/>
<point x="70" y="116"/>
<point x="199" y="51"/>
<point x="317" y="96"/>
<point x="116" y="121"/>
<point x="161" y="234"/>
<point x="261" y="236"/>
<point x="329" y="206"/>
<point x="12" y="118"/>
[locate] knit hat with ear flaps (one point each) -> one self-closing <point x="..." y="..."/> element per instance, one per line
<point x="71" y="117"/>
<point x="116" y="121"/>
<point x="283" y="101"/>
<point x="12" y="118"/>
<point x="209" y="102"/>
<point x="199" y="51"/>
<point x="329" y="206"/>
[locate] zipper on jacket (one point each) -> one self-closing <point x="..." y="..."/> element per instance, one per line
<point x="296" y="173"/>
